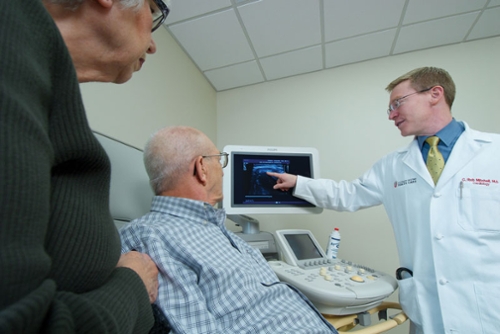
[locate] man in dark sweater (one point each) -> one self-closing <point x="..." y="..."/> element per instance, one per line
<point x="60" y="264"/>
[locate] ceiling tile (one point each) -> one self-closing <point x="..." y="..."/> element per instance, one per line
<point x="488" y="24"/>
<point x="185" y="9"/>
<point x="281" y="25"/>
<point x="434" y="33"/>
<point x="214" y="40"/>
<point x="292" y="63"/>
<point x="419" y="10"/>
<point x="290" y="37"/>
<point x="235" y="76"/>
<point x="355" y="17"/>
<point x="359" y="48"/>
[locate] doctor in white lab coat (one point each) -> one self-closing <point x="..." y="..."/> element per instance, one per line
<point x="448" y="233"/>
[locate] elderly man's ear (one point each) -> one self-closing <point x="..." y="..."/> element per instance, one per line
<point x="200" y="170"/>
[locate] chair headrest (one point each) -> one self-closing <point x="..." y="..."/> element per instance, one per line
<point x="130" y="193"/>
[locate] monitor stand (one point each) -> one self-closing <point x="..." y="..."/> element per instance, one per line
<point x="263" y="241"/>
<point x="248" y="224"/>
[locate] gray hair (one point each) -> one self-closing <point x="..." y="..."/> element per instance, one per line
<point x="169" y="153"/>
<point x="74" y="4"/>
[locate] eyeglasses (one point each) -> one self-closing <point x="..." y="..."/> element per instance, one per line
<point x="159" y="11"/>
<point x="395" y="105"/>
<point x="222" y="158"/>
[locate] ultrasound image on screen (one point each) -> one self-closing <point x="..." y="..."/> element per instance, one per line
<point x="261" y="184"/>
<point x="302" y="246"/>
<point x="253" y="187"/>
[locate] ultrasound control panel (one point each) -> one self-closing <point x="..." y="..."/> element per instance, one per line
<point x="335" y="286"/>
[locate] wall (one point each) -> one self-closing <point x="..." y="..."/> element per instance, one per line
<point x="342" y="112"/>
<point x="169" y="90"/>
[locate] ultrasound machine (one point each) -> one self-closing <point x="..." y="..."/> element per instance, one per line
<point x="249" y="190"/>
<point x="345" y="292"/>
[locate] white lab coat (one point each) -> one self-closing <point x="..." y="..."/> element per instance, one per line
<point x="448" y="234"/>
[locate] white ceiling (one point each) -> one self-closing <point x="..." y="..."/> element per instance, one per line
<point x="236" y="43"/>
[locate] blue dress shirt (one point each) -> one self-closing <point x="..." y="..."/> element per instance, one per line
<point x="448" y="136"/>
<point x="212" y="281"/>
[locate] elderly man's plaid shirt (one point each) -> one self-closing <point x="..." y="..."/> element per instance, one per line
<point x="212" y="281"/>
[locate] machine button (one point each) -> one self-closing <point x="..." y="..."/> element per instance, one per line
<point x="357" y="278"/>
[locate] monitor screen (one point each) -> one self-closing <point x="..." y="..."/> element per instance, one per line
<point x="303" y="247"/>
<point x="249" y="190"/>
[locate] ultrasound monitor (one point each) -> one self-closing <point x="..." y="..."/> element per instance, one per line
<point x="300" y="247"/>
<point x="249" y="190"/>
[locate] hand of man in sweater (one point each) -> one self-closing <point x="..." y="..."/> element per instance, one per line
<point x="145" y="268"/>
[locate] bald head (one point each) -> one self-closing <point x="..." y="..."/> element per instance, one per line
<point x="169" y="155"/>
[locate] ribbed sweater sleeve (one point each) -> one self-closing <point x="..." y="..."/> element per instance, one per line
<point x="58" y="245"/>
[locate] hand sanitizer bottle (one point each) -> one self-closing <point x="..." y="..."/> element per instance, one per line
<point x="333" y="244"/>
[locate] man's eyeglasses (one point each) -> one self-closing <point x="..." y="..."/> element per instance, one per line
<point x="159" y="11"/>
<point x="222" y="158"/>
<point x="397" y="102"/>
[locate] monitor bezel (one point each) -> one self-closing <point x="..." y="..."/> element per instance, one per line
<point x="289" y="254"/>
<point x="232" y="150"/>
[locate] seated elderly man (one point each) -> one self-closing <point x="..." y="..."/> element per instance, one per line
<point x="210" y="279"/>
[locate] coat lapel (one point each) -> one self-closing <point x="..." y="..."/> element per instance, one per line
<point x="413" y="159"/>
<point x="469" y="144"/>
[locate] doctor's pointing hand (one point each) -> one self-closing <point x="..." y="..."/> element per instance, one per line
<point x="284" y="181"/>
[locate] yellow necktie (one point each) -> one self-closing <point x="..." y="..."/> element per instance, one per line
<point x="435" y="161"/>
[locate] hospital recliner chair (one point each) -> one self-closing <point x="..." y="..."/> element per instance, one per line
<point x="130" y="193"/>
<point x="131" y="196"/>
